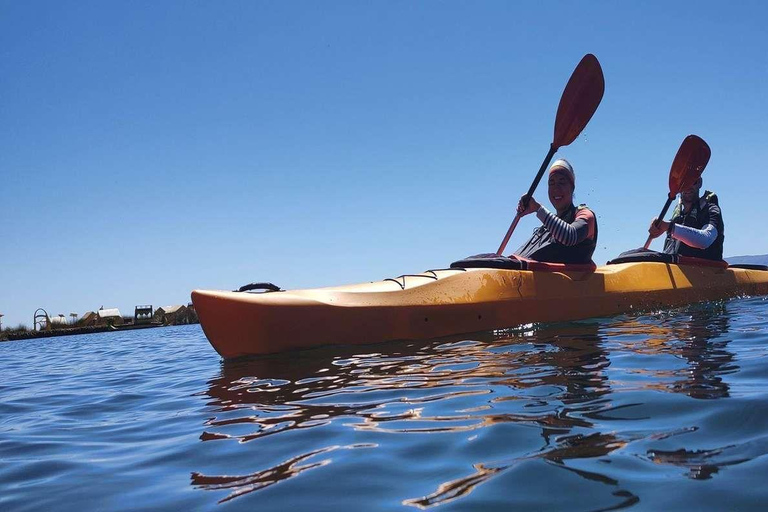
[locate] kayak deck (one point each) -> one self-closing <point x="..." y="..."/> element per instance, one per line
<point x="453" y="301"/>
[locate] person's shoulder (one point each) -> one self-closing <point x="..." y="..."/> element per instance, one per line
<point x="713" y="210"/>
<point x="711" y="200"/>
<point x="713" y="207"/>
<point x="583" y="212"/>
<point x="710" y="197"/>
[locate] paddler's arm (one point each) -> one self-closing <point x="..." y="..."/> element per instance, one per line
<point x="568" y="234"/>
<point x="692" y="237"/>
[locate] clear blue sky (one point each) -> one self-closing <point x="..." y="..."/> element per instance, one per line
<point x="150" y="148"/>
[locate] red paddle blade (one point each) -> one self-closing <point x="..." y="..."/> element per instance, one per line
<point x="689" y="163"/>
<point x="579" y="101"/>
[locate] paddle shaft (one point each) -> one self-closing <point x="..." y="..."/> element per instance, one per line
<point x="527" y="197"/>
<point x="659" y="219"/>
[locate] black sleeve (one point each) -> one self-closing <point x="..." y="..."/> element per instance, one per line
<point x="715" y="217"/>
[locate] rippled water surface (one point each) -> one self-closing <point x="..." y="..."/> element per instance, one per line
<point x="661" y="411"/>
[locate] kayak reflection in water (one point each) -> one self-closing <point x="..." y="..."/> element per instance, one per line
<point x="696" y="228"/>
<point x="705" y="348"/>
<point x="570" y="235"/>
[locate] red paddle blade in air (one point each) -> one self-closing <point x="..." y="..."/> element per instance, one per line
<point x="689" y="163"/>
<point x="579" y="101"/>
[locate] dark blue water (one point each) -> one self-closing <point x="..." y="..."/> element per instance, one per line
<point x="659" y="411"/>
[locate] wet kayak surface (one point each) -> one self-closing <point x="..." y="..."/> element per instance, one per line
<point x="662" y="410"/>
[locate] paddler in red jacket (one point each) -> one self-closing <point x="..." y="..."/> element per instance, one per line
<point x="570" y="234"/>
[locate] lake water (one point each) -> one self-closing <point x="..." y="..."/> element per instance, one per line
<point x="659" y="411"/>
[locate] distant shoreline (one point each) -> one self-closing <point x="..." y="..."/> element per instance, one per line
<point x="71" y="331"/>
<point x="25" y="335"/>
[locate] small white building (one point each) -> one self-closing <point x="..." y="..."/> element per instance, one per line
<point x="58" y="321"/>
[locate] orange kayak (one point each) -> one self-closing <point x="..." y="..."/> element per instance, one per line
<point x="438" y="303"/>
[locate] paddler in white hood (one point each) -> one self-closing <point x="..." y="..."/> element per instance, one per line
<point x="568" y="235"/>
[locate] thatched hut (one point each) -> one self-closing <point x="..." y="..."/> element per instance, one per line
<point x="172" y="315"/>
<point x="89" y="318"/>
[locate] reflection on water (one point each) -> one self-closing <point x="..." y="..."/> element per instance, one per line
<point x="539" y="378"/>
<point x="705" y="351"/>
<point x="702" y="464"/>
<point x="699" y="337"/>
<point x="255" y="481"/>
<point x="556" y="379"/>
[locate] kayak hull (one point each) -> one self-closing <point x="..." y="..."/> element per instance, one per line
<point x="445" y="302"/>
